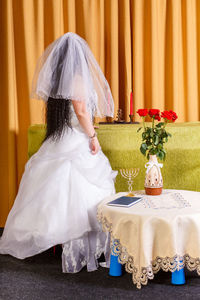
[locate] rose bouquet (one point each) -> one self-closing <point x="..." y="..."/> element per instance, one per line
<point x="155" y="136"/>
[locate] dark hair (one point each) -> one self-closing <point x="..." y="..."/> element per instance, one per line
<point x="58" y="111"/>
<point x="58" y="117"/>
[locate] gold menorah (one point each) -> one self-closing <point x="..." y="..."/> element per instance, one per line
<point x="129" y="174"/>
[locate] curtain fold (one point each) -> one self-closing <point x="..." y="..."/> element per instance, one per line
<point x="150" y="46"/>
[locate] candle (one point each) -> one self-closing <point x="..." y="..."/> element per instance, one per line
<point x="131" y="103"/>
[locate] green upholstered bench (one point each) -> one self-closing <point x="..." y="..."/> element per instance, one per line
<point x="121" y="144"/>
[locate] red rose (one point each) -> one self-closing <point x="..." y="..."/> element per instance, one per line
<point x="169" y="115"/>
<point x="174" y="115"/>
<point x="157" y="117"/>
<point x="154" y="113"/>
<point x="142" y="112"/>
<point x="166" y="115"/>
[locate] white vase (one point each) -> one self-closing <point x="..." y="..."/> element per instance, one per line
<point x="153" y="180"/>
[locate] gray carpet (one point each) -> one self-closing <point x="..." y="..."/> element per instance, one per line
<point x="40" y="277"/>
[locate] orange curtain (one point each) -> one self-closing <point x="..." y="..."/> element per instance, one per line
<point x="150" y="46"/>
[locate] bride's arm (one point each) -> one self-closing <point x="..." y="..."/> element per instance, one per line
<point x="84" y="120"/>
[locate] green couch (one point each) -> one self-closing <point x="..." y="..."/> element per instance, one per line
<point x="121" y="144"/>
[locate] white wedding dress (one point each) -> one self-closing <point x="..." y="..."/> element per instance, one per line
<point x="57" y="201"/>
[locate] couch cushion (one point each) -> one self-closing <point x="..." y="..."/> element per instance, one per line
<point x="121" y="144"/>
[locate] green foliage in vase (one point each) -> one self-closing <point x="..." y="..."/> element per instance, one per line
<point x="155" y="137"/>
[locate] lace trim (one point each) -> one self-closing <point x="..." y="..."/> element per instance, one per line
<point x="175" y="201"/>
<point x="141" y="277"/>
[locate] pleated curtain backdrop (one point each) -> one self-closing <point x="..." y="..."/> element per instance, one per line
<point x="150" y="46"/>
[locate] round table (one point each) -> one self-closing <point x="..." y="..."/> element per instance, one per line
<point x="159" y="232"/>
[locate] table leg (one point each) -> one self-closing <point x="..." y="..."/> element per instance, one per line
<point x="115" y="266"/>
<point x="178" y="277"/>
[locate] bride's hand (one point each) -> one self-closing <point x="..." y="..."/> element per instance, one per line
<point x="94" y="145"/>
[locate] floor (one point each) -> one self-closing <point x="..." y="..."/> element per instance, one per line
<point x="40" y="277"/>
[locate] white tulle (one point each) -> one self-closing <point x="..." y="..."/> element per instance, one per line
<point x="67" y="69"/>
<point x="85" y="251"/>
<point x="61" y="187"/>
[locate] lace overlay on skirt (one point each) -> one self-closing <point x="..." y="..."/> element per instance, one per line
<point x="141" y="276"/>
<point x="85" y="251"/>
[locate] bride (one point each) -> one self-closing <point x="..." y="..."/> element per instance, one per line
<point x="66" y="179"/>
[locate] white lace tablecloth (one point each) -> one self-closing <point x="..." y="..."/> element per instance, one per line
<point x="160" y="232"/>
